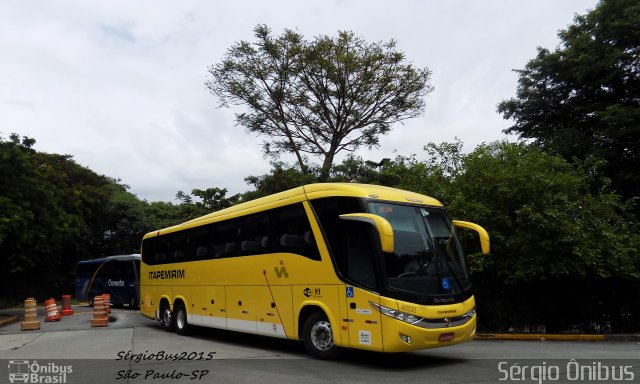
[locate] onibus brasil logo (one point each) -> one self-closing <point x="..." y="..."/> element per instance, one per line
<point x="31" y="372"/>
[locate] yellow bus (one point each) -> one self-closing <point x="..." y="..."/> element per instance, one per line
<point x="336" y="265"/>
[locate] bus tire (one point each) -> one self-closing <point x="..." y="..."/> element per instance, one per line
<point x="181" y="324"/>
<point x="166" y="317"/>
<point x="318" y="337"/>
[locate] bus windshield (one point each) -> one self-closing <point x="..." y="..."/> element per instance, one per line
<point x="428" y="263"/>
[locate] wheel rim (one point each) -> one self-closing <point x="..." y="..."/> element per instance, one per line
<point x="180" y="320"/>
<point x="166" y="317"/>
<point x="321" y="336"/>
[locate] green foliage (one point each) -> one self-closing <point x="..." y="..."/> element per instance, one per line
<point x="54" y="212"/>
<point x="125" y="221"/>
<point x="215" y="199"/>
<point x="582" y="99"/>
<point x="210" y="200"/>
<point x="50" y="215"/>
<point x="281" y="177"/>
<point x="562" y="227"/>
<point x="318" y="97"/>
<point x="354" y="169"/>
<point x="551" y="232"/>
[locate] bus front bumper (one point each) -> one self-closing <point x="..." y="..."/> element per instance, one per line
<point x="399" y="336"/>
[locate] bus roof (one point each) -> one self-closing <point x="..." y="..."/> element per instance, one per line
<point x="133" y="256"/>
<point x="309" y="191"/>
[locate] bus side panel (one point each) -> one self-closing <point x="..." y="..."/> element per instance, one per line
<point x="364" y="322"/>
<point x="152" y="294"/>
<point x="183" y="293"/>
<point x="82" y="283"/>
<point x="274" y="311"/>
<point x="241" y="308"/>
<point x="325" y="298"/>
<point x="150" y="300"/>
<point x="209" y="307"/>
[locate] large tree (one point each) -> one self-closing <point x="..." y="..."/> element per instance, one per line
<point x="583" y="98"/>
<point x="318" y="97"/>
<point x="55" y="212"/>
<point x="51" y="215"/>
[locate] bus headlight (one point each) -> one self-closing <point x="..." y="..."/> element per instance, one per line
<point x="398" y="315"/>
<point x="470" y="314"/>
<point x="425" y="322"/>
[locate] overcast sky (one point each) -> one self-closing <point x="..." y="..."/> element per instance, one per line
<point x="120" y="84"/>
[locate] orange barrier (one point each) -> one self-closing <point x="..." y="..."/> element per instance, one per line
<point x="107" y="302"/>
<point x="31" y="321"/>
<point x="52" y="311"/>
<point x="66" y="305"/>
<point x="100" y="317"/>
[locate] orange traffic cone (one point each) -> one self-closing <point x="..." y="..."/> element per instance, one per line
<point x="100" y="317"/>
<point x="66" y="305"/>
<point x="52" y="311"/>
<point x="31" y="321"/>
<point x="107" y="302"/>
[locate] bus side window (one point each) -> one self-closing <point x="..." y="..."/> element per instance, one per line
<point x="159" y="258"/>
<point x="223" y="237"/>
<point x="292" y="232"/>
<point x="177" y="247"/>
<point x="198" y="243"/>
<point x="149" y="253"/>
<point x="251" y="234"/>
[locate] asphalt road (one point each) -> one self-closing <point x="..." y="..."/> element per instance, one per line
<point x="133" y="349"/>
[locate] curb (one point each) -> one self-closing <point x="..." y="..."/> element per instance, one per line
<point x="7" y="319"/>
<point x="555" y="337"/>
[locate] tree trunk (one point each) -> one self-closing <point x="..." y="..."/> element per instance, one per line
<point x="303" y="166"/>
<point x="326" y="166"/>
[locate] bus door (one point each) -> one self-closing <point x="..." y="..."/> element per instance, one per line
<point x="359" y="267"/>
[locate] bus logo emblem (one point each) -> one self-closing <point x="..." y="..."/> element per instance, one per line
<point x="282" y="271"/>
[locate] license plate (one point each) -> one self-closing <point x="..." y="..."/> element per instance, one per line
<point x="444" y="337"/>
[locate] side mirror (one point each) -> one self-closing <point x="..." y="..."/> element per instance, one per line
<point x="385" y="231"/>
<point x="484" y="236"/>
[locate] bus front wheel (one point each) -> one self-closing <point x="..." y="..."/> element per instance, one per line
<point x="182" y="326"/>
<point x="318" y="337"/>
<point x="166" y="317"/>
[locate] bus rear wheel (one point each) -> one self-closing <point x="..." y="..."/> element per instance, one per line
<point x="182" y="326"/>
<point x="318" y="337"/>
<point x="166" y="317"/>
